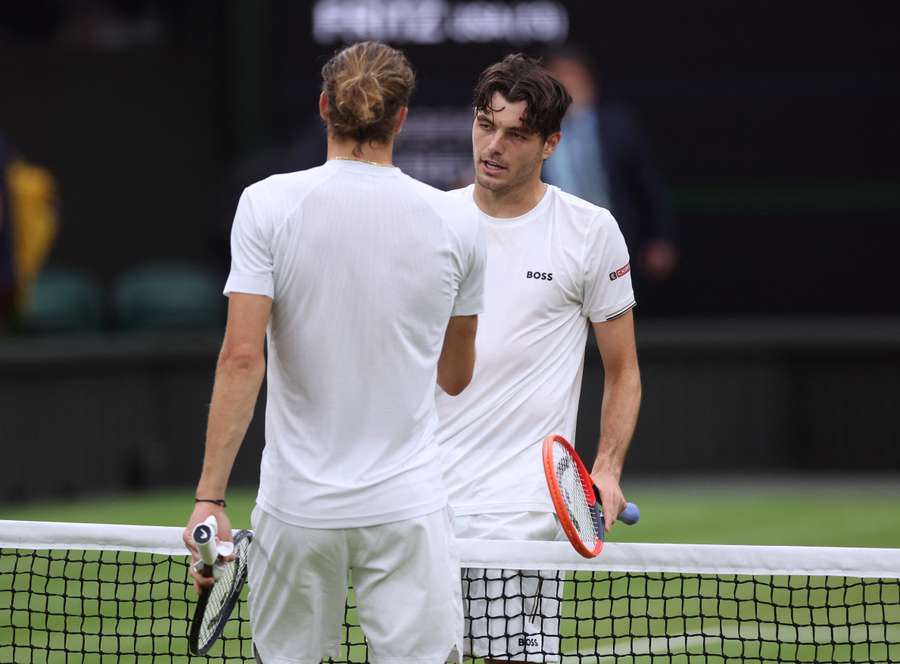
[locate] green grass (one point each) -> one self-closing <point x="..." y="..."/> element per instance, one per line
<point x="667" y="617"/>
<point x="789" y="511"/>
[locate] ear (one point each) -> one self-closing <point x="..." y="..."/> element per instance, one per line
<point x="401" y="119"/>
<point x="551" y="143"/>
<point x="323" y="106"/>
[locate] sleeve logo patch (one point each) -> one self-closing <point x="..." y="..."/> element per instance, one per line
<point x="621" y="272"/>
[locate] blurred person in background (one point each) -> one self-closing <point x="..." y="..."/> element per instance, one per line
<point x="7" y="276"/>
<point x="604" y="157"/>
<point x="28" y="226"/>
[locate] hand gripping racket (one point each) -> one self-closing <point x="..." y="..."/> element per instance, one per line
<point x="216" y="602"/>
<point x="576" y="499"/>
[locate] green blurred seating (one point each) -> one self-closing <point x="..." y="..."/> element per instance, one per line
<point x="62" y="301"/>
<point x="168" y="295"/>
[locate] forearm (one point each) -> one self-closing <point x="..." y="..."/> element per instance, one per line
<point x="621" y="403"/>
<point x="235" y="391"/>
<point x="457" y="360"/>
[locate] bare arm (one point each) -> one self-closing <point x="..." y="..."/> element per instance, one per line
<point x="239" y="374"/>
<point x="619" y="411"/>
<point x="457" y="360"/>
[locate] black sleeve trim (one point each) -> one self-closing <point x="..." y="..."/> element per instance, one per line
<point x="622" y="312"/>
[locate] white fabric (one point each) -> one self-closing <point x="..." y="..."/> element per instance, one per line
<point x="509" y="613"/>
<point x="405" y="576"/>
<point x="530" y="349"/>
<point x="365" y="266"/>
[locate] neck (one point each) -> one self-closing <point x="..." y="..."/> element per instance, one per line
<point x="510" y="203"/>
<point x="376" y="153"/>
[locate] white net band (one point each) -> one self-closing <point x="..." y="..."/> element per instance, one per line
<point x="506" y="554"/>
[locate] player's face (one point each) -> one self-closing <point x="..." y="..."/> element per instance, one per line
<point x="507" y="155"/>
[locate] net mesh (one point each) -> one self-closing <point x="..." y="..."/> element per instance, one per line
<point x="62" y="604"/>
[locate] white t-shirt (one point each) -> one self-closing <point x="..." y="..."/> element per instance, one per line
<point x="365" y="266"/>
<point x="549" y="272"/>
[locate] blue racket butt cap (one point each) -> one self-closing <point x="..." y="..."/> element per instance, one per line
<point x="630" y="515"/>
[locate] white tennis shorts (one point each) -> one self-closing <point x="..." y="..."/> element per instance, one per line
<point x="405" y="576"/>
<point x="511" y="614"/>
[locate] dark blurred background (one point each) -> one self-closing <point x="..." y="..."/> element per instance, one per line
<point x="129" y="128"/>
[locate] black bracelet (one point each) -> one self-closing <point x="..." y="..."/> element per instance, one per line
<point x="215" y="501"/>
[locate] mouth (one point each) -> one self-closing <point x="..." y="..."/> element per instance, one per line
<point x="491" y="167"/>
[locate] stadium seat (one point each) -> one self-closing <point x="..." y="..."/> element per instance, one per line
<point x="62" y="301"/>
<point x="168" y="295"/>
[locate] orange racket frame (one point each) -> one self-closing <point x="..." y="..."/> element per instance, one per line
<point x="559" y="502"/>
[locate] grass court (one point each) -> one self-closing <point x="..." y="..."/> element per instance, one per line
<point x="123" y="607"/>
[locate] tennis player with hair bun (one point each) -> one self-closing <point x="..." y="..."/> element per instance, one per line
<point x="557" y="265"/>
<point x="368" y="284"/>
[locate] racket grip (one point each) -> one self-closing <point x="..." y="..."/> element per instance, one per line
<point x="204" y="536"/>
<point x="599" y="522"/>
<point x="630" y="515"/>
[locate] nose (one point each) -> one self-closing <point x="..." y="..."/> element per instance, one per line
<point x="496" y="142"/>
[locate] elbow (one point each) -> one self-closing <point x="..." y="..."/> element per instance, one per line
<point x="455" y="388"/>
<point x="632" y="381"/>
<point x="625" y="378"/>
<point x="455" y="384"/>
<point x="241" y="359"/>
<point x="636" y="388"/>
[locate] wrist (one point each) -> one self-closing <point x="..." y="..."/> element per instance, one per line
<point x="211" y="487"/>
<point x="214" y="501"/>
<point x="604" y="467"/>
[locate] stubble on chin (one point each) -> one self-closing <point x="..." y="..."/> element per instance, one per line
<point x="491" y="185"/>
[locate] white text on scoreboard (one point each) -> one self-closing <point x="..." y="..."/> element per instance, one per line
<point x="439" y="21"/>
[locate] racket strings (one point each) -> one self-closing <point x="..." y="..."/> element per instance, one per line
<point x="222" y="593"/>
<point x="572" y="488"/>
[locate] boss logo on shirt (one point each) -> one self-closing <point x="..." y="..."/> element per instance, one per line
<point x="529" y="641"/>
<point x="543" y="276"/>
<point x="621" y="272"/>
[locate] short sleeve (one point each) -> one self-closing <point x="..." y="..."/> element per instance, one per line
<point x="607" y="272"/>
<point x="470" y="296"/>
<point x="252" y="265"/>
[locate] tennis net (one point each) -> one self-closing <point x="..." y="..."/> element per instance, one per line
<point x="102" y="593"/>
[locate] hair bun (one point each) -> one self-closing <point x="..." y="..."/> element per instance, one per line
<point x="366" y="84"/>
<point x="360" y="97"/>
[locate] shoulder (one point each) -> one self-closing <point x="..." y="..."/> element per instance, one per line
<point x="456" y="209"/>
<point x="464" y="193"/>
<point x="583" y="216"/>
<point x="277" y="193"/>
<point x="580" y="223"/>
<point x="455" y="198"/>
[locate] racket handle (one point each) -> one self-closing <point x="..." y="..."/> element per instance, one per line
<point x="204" y="537"/>
<point x="630" y="515"/>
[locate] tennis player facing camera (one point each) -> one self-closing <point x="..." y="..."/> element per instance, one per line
<point x="557" y="265"/>
<point x="368" y="284"/>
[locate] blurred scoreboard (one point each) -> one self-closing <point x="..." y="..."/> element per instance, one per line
<point x="723" y="89"/>
<point x="438" y="21"/>
<point x="448" y="43"/>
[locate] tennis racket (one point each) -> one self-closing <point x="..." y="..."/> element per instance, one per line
<point x="216" y="602"/>
<point x="576" y="499"/>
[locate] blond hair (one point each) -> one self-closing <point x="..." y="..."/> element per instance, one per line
<point x="366" y="85"/>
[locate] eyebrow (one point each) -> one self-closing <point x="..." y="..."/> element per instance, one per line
<point x="482" y="116"/>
